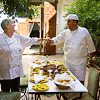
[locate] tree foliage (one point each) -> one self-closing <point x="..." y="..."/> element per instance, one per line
<point x="19" y="8"/>
<point x="88" y="12"/>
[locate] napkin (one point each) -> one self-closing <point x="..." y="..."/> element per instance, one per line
<point x="35" y="65"/>
<point x="38" y="78"/>
<point x="63" y="76"/>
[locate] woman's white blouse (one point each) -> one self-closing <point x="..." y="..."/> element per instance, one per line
<point x="11" y="51"/>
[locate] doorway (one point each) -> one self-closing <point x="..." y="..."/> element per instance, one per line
<point x="44" y="26"/>
<point x="35" y="48"/>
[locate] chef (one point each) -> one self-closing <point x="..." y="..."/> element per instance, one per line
<point x="11" y="50"/>
<point x="77" y="45"/>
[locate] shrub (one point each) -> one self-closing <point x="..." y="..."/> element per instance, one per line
<point x="88" y="12"/>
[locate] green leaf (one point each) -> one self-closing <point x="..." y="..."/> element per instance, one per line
<point x="20" y="8"/>
<point x="89" y="15"/>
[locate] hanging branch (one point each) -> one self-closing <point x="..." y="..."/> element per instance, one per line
<point x="19" y="8"/>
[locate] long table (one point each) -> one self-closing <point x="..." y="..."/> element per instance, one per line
<point x="78" y="87"/>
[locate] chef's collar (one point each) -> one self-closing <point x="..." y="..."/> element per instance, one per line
<point x="8" y="39"/>
<point x="75" y="31"/>
<point x="6" y="36"/>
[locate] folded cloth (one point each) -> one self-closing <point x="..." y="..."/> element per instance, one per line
<point x="38" y="78"/>
<point x="63" y="76"/>
<point x="35" y="65"/>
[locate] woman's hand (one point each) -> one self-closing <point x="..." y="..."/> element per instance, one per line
<point x="39" y="39"/>
<point x="50" y="41"/>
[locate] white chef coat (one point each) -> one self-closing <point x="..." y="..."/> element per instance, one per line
<point x="11" y="50"/>
<point x="77" y="44"/>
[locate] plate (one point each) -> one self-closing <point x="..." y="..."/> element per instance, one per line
<point x="32" y="73"/>
<point x="40" y="87"/>
<point x="45" y="74"/>
<point x="65" y="72"/>
<point x="32" y="80"/>
<point x="73" y="77"/>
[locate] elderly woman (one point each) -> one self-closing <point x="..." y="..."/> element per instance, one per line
<point x="11" y="50"/>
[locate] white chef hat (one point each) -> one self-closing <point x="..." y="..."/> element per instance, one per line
<point x="72" y="16"/>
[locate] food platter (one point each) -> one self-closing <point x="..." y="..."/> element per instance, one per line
<point x="42" y="81"/>
<point x="40" y="87"/>
<point x="55" y="68"/>
<point x="64" y="81"/>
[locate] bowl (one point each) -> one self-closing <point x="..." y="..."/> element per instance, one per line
<point x="61" y="86"/>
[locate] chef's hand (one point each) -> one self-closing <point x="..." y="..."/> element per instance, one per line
<point x="50" y="41"/>
<point x="91" y="61"/>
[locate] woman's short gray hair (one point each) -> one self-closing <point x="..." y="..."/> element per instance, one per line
<point x="5" y="22"/>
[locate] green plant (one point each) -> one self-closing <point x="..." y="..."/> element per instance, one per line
<point x="88" y="12"/>
<point x="19" y="8"/>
